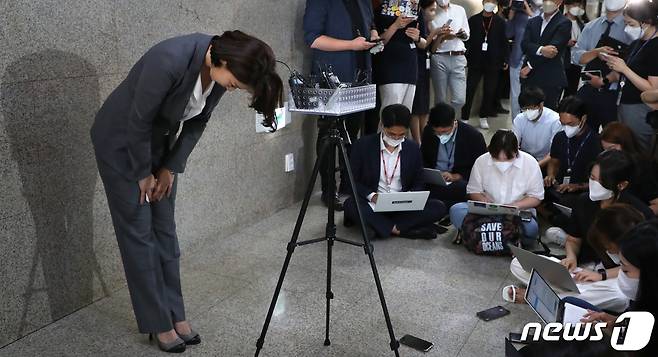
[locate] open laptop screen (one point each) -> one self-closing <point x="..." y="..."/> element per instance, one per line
<point x="542" y="298"/>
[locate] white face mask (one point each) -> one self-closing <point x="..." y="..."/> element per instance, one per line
<point x="549" y="7"/>
<point x="634" y="32"/>
<point x="614" y="5"/>
<point x="531" y="114"/>
<point x="444" y="138"/>
<point x="503" y="166"/>
<point x="575" y="11"/>
<point x="538" y="2"/>
<point x="489" y="7"/>
<point x="597" y="192"/>
<point x="393" y="142"/>
<point x="628" y="286"/>
<point x="614" y="257"/>
<point x="571" y="131"/>
<point x="443" y="3"/>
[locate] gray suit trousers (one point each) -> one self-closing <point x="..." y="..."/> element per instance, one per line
<point x="149" y="250"/>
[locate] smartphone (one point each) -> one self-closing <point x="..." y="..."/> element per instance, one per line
<point x="594" y="73"/>
<point x="493" y="313"/>
<point x="516" y="338"/>
<point x="518" y="5"/>
<point x="448" y="23"/>
<point x="416" y="343"/>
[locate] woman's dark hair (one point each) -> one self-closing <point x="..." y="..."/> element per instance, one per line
<point x="643" y="11"/>
<point x="531" y="96"/>
<point x="252" y="62"/>
<point x="620" y="134"/>
<point x="640" y="248"/>
<point x="614" y="167"/>
<point x="424" y="4"/>
<point x="574" y="106"/>
<point x="396" y="115"/>
<point x="442" y="116"/>
<point x="610" y="225"/>
<point x="504" y="141"/>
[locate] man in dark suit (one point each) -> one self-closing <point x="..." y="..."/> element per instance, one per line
<point x="386" y="162"/>
<point x="451" y="146"/>
<point x="487" y="51"/>
<point x="544" y="43"/>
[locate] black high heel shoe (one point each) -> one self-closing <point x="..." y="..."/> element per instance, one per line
<point x="192" y="338"/>
<point x="175" y="346"/>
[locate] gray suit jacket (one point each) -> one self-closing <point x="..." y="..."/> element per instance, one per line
<point x="136" y="127"/>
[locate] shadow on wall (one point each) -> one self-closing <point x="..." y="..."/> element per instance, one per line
<point x="49" y="101"/>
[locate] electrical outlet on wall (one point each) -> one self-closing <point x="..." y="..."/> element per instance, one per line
<point x="290" y="162"/>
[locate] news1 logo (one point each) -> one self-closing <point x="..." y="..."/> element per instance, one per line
<point x="631" y="331"/>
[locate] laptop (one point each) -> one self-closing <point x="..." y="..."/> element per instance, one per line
<point x="434" y="177"/>
<point x="494" y="209"/>
<point x="545" y="302"/>
<point x="401" y="201"/>
<point x="556" y="273"/>
<point x="563" y="209"/>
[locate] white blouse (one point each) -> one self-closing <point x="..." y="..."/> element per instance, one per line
<point x="197" y="100"/>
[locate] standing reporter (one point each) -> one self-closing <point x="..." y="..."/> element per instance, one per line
<point x="138" y="154"/>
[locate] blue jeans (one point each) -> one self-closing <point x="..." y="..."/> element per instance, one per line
<point x="530" y="229"/>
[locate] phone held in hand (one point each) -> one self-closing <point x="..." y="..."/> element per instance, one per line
<point x="595" y="73"/>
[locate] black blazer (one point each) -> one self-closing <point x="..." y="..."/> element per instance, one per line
<point x="469" y="145"/>
<point x="366" y="162"/>
<point x="137" y="124"/>
<point x="546" y="71"/>
<point x="498" y="46"/>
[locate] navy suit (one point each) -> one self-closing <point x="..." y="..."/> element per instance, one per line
<point x="547" y="73"/>
<point x="469" y="145"/>
<point x="366" y="167"/>
<point x="134" y="135"/>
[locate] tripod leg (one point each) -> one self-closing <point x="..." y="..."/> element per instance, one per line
<point x="330" y="232"/>
<point x="368" y="250"/>
<point x="292" y="244"/>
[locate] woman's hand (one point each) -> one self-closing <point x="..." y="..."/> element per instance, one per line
<point x="525" y="71"/>
<point x="617" y="64"/>
<point x="595" y="81"/>
<point x="570" y="262"/>
<point x="549" y="181"/>
<point x="593" y="316"/>
<point x="588" y="276"/>
<point x="403" y="21"/>
<point x="568" y="187"/>
<point x="413" y="33"/>
<point x="165" y="181"/>
<point x="146" y="186"/>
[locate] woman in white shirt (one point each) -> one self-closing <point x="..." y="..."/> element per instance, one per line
<point x="504" y="175"/>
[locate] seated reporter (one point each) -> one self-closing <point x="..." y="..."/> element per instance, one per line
<point x="572" y="152"/>
<point x="610" y="178"/>
<point x="536" y="125"/>
<point x="598" y="281"/>
<point x="507" y="176"/>
<point x="637" y="278"/>
<point x="451" y="146"/>
<point x="386" y="162"/>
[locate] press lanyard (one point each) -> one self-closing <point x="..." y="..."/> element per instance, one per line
<point x="572" y="162"/>
<point x="487" y="28"/>
<point x="389" y="181"/>
<point x="622" y="80"/>
<point x="452" y="149"/>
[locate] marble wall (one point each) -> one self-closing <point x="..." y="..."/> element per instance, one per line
<point x="59" y="61"/>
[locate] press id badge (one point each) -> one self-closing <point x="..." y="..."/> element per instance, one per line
<point x="412" y="45"/>
<point x="566" y="180"/>
<point x="427" y="63"/>
<point x="485" y="46"/>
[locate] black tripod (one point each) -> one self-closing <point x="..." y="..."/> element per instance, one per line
<point x="328" y="152"/>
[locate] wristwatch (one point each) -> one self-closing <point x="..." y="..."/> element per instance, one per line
<point x="604" y="274"/>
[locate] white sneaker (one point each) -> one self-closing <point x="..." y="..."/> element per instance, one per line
<point x="556" y="235"/>
<point x="484" y="123"/>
